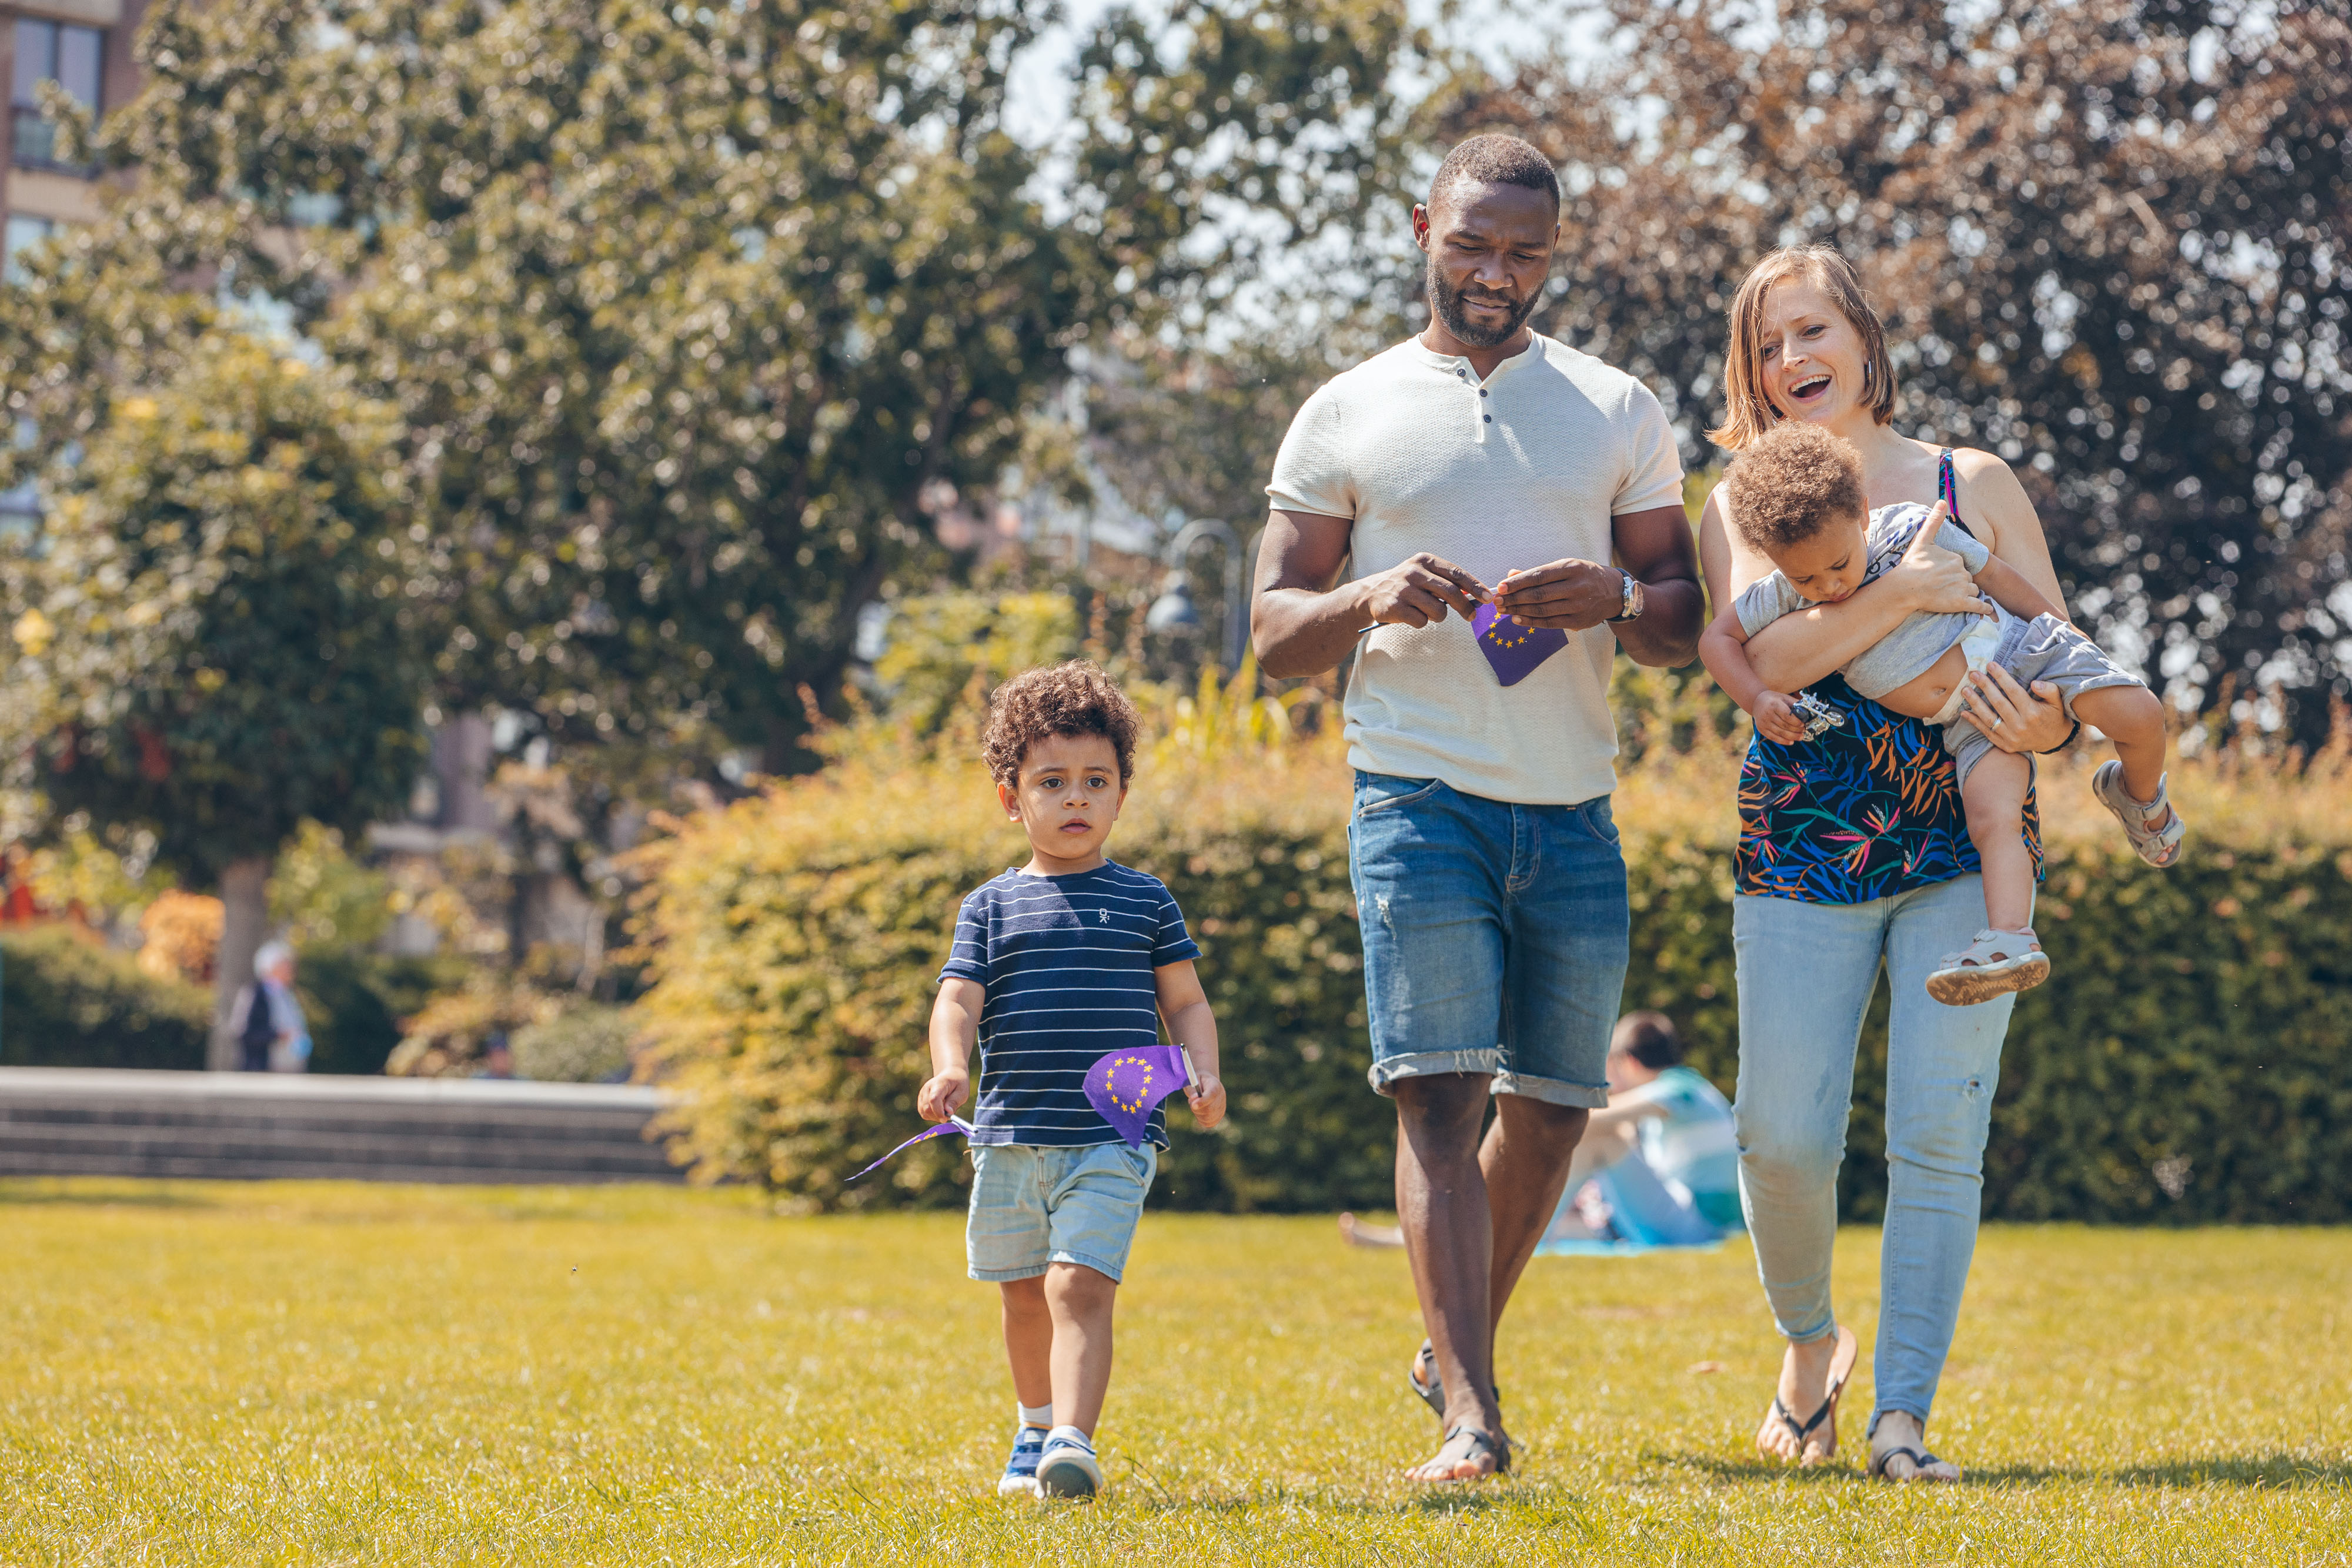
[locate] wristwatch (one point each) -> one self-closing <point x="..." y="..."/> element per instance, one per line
<point x="1633" y="606"/>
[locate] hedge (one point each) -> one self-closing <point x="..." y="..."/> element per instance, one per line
<point x="354" y="1002"/>
<point x="2192" y="1040"/>
<point x="67" y="1000"/>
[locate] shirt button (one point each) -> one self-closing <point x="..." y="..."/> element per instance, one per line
<point x="1489" y="418"/>
<point x="1482" y="392"/>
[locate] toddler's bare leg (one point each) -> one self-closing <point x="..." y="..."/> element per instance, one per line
<point x="1081" y="1300"/>
<point x="2132" y="717"/>
<point x="1029" y="1340"/>
<point x="1994" y="795"/>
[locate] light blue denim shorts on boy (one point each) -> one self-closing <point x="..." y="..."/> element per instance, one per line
<point x="1033" y="1205"/>
<point x="1495" y="938"/>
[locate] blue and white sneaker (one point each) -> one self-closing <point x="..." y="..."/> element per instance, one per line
<point x="1068" y="1467"/>
<point x="1020" y="1477"/>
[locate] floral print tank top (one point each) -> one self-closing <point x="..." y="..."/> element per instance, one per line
<point x="1861" y="812"/>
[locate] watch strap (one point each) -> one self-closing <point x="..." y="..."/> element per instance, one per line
<point x="1633" y="601"/>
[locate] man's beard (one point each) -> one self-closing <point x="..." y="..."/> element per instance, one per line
<point x="1447" y="303"/>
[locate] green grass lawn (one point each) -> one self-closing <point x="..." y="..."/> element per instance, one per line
<point x="327" y="1373"/>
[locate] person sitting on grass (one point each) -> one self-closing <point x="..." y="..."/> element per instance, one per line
<point x="1660" y="1167"/>
<point x="1054" y="964"/>
<point x="1798" y="498"/>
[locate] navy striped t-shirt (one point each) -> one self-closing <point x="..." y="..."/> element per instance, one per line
<point x="1068" y="964"/>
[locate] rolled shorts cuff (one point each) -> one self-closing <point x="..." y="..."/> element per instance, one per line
<point x="1108" y="1270"/>
<point x="1553" y="1090"/>
<point x="1485" y="1063"/>
<point x="1009" y="1276"/>
<point x="1113" y="1272"/>
<point x="1386" y="1070"/>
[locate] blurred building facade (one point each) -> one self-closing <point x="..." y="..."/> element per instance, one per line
<point x="84" y="45"/>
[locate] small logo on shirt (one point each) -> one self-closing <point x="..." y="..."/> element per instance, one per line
<point x="1103" y="915"/>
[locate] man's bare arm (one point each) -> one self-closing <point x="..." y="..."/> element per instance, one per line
<point x="1656" y="545"/>
<point x="1304" y="621"/>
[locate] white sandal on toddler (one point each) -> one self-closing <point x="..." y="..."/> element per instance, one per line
<point x="1995" y="964"/>
<point x="2159" y="847"/>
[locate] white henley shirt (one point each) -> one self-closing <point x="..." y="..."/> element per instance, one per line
<point x="1519" y="470"/>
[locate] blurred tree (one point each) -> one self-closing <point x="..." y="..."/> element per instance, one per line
<point x="2110" y="237"/>
<point x="697" y="319"/>
<point x="216" y="635"/>
<point x="941" y="642"/>
<point x="1193" y="432"/>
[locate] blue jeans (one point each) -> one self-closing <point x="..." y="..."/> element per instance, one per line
<point x="1495" y="938"/>
<point x="1806" y="975"/>
<point x="1644" y="1208"/>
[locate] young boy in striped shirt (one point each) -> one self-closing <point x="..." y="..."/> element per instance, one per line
<point x="1054" y="964"/>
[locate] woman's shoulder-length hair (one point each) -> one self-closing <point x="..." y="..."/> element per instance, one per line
<point x="1748" y="408"/>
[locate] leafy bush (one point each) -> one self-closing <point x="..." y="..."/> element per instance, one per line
<point x="66" y="1001"/>
<point x="2197" y="1015"/>
<point x="583" y="1044"/>
<point x="355" y="1001"/>
<point x="181" y="934"/>
<point x="448" y="1035"/>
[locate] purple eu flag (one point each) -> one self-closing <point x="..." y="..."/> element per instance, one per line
<point x="1126" y="1085"/>
<point x="1514" y="649"/>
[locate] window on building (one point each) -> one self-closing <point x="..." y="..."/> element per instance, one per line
<point x="58" y="52"/>
<point x="23" y="232"/>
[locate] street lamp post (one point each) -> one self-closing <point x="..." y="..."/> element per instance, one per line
<point x="1173" y="610"/>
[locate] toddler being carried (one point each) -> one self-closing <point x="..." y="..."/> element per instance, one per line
<point x="1797" y="497"/>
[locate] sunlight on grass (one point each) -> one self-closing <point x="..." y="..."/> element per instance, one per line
<point x="313" y="1373"/>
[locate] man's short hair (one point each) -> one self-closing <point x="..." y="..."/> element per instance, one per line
<point x="1074" y="699"/>
<point x="1790" y="483"/>
<point x="1650" y="1038"/>
<point x="1496" y="160"/>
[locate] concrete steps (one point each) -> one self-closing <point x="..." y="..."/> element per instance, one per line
<point x="259" y="1126"/>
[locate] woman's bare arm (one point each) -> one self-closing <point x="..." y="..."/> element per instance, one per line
<point x="2013" y="591"/>
<point x="1995" y="507"/>
<point x="1797" y="650"/>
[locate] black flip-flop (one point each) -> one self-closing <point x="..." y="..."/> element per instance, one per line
<point x="1495" y="1446"/>
<point x="1849" y="1350"/>
<point x="1433" y="1393"/>
<point x="1920" y="1459"/>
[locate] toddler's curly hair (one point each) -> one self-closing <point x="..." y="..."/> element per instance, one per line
<point x="1790" y="483"/>
<point x="1075" y="699"/>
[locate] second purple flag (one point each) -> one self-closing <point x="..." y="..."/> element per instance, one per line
<point x="1126" y="1085"/>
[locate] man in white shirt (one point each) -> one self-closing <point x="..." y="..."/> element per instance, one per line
<point x="1488" y="883"/>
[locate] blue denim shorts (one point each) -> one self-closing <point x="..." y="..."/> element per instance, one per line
<point x="1495" y="938"/>
<point x="1034" y="1206"/>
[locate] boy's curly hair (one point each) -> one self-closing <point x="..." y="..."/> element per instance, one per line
<point x="1790" y="483"/>
<point x="1075" y="698"/>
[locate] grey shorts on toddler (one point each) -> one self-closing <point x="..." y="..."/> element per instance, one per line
<point x="2043" y="649"/>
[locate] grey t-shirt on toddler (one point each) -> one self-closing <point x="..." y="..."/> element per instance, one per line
<point x="1910" y="650"/>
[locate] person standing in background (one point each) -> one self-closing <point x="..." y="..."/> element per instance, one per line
<point x="272" y="1036"/>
